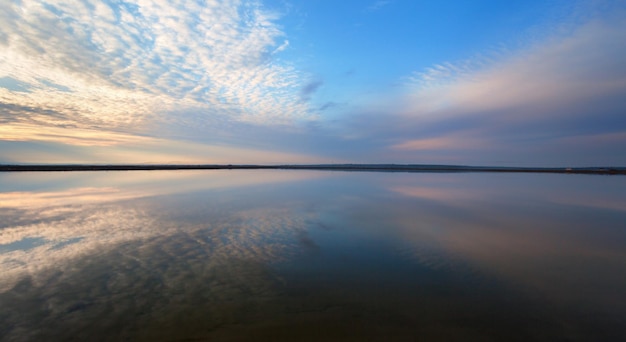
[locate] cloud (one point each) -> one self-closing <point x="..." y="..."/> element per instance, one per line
<point x="377" y="5"/>
<point x="282" y="47"/>
<point x="119" y="71"/>
<point x="71" y="136"/>
<point x="122" y="64"/>
<point x="328" y="105"/>
<point x="561" y="69"/>
<point x="102" y="147"/>
<point x="524" y="103"/>
<point x="309" y="89"/>
<point x="452" y="142"/>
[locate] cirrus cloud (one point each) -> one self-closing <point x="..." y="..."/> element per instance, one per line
<point x="557" y="100"/>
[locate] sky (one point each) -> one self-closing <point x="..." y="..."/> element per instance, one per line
<point x="482" y="82"/>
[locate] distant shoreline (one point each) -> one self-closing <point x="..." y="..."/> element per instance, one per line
<point x="326" y="167"/>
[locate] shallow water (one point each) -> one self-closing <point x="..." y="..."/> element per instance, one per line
<point x="236" y="255"/>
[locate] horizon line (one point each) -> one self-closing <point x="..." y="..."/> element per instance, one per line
<point x="612" y="170"/>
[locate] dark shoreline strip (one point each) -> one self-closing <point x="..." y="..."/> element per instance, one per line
<point x="325" y="167"/>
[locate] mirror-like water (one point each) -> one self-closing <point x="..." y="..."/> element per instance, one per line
<point x="298" y="255"/>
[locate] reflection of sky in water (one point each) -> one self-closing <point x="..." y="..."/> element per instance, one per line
<point x="281" y="255"/>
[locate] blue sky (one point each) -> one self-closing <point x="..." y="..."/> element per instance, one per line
<point x="538" y="83"/>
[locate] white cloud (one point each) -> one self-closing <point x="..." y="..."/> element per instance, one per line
<point x="566" y="86"/>
<point x="101" y="146"/>
<point x="378" y="5"/>
<point x="559" y="70"/>
<point x="118" y="64"/>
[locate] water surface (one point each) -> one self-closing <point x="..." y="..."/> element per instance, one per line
<point x="235" y="255"/>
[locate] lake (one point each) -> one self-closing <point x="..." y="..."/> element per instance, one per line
<point x="278" y="255"/>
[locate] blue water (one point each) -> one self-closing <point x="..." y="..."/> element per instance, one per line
<point x="238" y="255"/>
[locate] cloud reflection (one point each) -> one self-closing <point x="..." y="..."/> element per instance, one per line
<point x="77" y="222"/>
<point x="198" y="253"/>
<point x="537" y="240"/>
<point x="190" y="252"/>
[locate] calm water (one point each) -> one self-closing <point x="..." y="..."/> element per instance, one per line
<point x="298" y="255"/>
